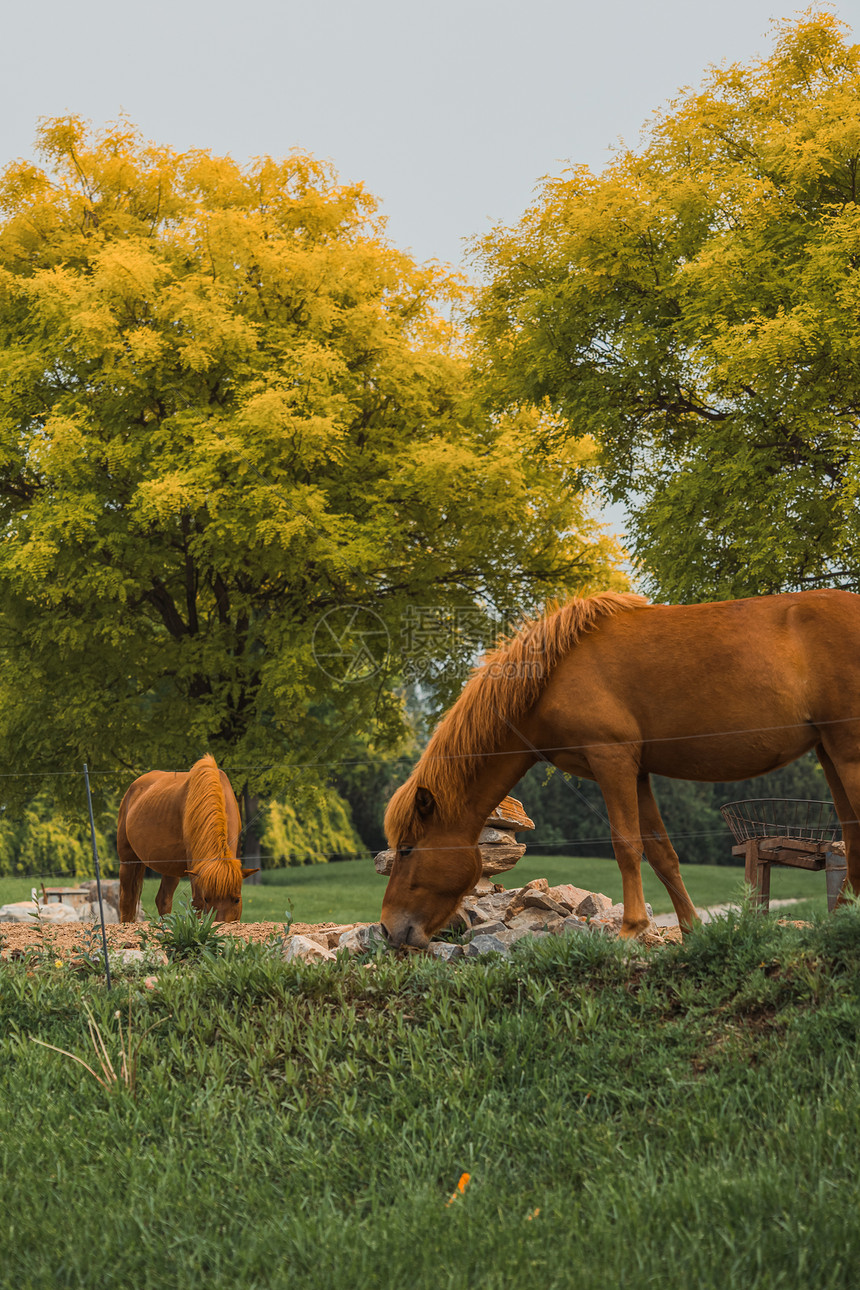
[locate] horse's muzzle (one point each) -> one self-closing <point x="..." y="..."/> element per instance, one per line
<point x="400" y="932"/>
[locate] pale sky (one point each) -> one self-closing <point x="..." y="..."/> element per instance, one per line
<point x="449" y="113"/>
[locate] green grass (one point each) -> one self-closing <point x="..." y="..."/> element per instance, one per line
<point x="352" y="891"/>
<point x="680" y="1118"/>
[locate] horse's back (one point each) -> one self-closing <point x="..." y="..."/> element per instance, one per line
<point x="150" y="816"/>
<point x="668" y="681"/>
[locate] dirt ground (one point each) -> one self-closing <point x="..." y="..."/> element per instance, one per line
<point x="63" y="938"/>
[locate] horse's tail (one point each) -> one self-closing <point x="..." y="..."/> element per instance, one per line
<point x="204" y="825"/>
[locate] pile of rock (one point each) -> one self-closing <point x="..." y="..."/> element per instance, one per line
<point x="66" y="905"/>
<point x="498" y="844"/>
<point x="323" y="945"/>
<point x="492" y="923"/>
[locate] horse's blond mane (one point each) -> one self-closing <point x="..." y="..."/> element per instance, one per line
<point x="503" y="688"/>
<point x="206" y="831"/>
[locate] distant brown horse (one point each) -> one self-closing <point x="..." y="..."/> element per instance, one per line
<point x="614" y="689"/>
<point x="182" y="823"/>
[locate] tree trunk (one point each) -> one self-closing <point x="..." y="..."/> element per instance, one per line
<point x="251" y="832"/>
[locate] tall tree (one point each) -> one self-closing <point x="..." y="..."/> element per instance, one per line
<point x="230" y="408"/>
<point x="695" y="309"/>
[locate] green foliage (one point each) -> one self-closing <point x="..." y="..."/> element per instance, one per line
<point x="320" y="830"/>
<point x="230" y="408"/>
<point x="185" y="934"/>
<point x="308" y="1123"/>
<point x="47" y="839"/>
<point x="694" y="308"/>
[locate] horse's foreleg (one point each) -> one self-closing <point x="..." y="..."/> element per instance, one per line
<point x="164" y="898"/>
<point x="661" y="855"/>
<point x="618" y="785"/>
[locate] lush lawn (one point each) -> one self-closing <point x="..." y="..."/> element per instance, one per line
<point x="678" y="1118"/>
<point x="352" y="891"/>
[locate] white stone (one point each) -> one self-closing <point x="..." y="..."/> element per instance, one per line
<point x="24" y="911"/>
<point x="595" y="904"/>
<point x="567" y="894"/>
<point x="127" y="957"/>
<point x="361" y="938"/>
<point x="534" y="920"/>
<point x="89" y="913"/>
<point x="302" y="947"/>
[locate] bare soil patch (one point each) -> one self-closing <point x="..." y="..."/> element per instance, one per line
<point x="64" y="938"/>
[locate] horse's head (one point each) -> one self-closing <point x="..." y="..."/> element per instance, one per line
<point x="428" y="879"/>
<point x="217" y="886"/>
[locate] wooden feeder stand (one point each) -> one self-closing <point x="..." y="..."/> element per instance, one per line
<point x="790" y="832"/>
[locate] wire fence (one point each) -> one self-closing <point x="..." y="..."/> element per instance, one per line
<point x="602" y="839"/>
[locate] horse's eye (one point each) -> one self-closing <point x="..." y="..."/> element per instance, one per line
<point x="405" y="851"/>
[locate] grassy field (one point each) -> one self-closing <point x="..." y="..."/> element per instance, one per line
<point x="352" y="891"/>
<point x="628" y="1118"/>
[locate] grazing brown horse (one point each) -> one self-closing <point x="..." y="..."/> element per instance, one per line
<point x="181" y="823"/>
<point x="614" y="689"/>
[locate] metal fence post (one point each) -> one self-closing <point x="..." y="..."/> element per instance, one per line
<point x="98" y="872"/>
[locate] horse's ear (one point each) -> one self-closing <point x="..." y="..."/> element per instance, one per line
<point x="246" y="873"/>
<point x="425" y="802"/>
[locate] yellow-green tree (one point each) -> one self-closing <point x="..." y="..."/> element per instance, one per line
<point x="227" y="407"/>
<point x="696" y="308"/>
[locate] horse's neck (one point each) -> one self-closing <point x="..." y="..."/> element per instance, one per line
<point x="495" y="778"/>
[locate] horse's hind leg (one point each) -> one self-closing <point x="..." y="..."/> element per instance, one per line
<point x="131" y="874"/>
<point x="164" y="898"/>
<point x="847" y="802"/>
<point x="661" y="855"/>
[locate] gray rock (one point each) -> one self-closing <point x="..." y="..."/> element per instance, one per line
<point x="498" y="857"/>
<point x="363" y="937"/>
<point x="302" y="947"/>
<point x="492" y="833"/>
<point x="110" y="891"/>
<point x="486" y="929"/>
<point x="445" y="951"/>
<point x="534" y="920"/>
<point x="383" y="861"/>
<point x="496" y="905"/>
<point x="574" y="924"/>
<point x="543" y="900"/>
<point x="473" y="912"/>
<point x="486" y="945"/>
